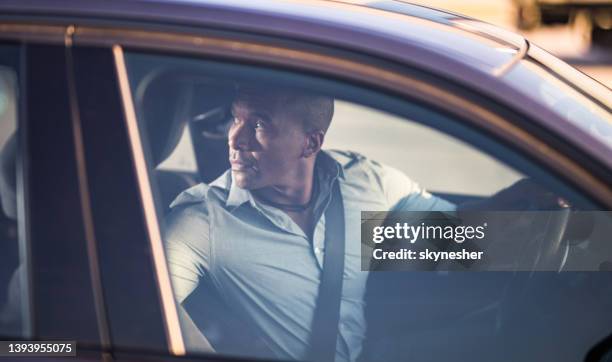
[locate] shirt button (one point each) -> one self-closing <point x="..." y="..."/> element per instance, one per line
<point x="318" y="250"/>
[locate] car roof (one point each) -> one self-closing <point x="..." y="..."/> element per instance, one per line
<point x="408" y="33"/>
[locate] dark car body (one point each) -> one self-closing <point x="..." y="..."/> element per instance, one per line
<point x="94" y="263"/>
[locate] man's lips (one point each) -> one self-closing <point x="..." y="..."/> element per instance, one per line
<point x="238" y="165"/>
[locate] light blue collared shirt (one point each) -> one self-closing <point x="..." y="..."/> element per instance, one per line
<point x="266" y="266"/>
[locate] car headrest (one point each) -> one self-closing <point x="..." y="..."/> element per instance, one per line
<point x="161" y="99"/>
<point x="169" y="99"/>
<point x="209" y="128"/>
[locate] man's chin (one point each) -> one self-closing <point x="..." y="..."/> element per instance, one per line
<point x="243" y="180"/>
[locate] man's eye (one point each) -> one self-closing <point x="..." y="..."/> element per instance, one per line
<point x="235" y="120"/>
<point x="259" y="124"/>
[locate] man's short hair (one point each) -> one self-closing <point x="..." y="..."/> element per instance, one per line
<point x="315" y="110"/>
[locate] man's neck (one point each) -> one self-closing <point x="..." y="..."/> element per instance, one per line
<point x="296" y="203"/>
<point x="295" y="200"/>
<point x="298" y="193"/>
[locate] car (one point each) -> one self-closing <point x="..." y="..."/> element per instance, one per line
<point x="110" y="109"/>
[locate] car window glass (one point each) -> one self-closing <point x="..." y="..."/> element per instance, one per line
<point x="12" y="273"/>
<point x="351" y="124"/>
<point x="246" y="264"/>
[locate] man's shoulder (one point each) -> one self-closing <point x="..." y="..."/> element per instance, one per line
<point x="365" y="173"/>
<point x="347" y="159"/>
<point x="204" y="193"/>
<point x="354" y="162"/>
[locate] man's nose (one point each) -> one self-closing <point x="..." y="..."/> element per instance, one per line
<point x="239" y="137"/>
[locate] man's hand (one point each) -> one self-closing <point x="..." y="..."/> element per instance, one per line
<point x="523" y="195"/>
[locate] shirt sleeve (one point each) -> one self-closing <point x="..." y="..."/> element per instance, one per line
<point x="403" y="194"/>
<point x="187" y="244"/>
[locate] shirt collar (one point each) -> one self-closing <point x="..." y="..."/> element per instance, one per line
<point x="327" y="166"/>
<point x="237" y="196"/>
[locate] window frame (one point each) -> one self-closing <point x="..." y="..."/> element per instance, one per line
<point x="374" y="73"/>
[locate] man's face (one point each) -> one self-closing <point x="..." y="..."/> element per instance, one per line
<point x="266" y="143"/>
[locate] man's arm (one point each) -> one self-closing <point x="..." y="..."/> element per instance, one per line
<point x="523" y="195"/>
<point x="403" y="194"/>
<point x="186" y="237"/>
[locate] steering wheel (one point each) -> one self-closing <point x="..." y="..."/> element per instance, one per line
<point x="527" y="240"/>
<point x="552" y="248"/>
<point x="530" y="233"/>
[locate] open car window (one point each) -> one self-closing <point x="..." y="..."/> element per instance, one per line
<point x="442" y="163"/>
<point x="246" y="266"/>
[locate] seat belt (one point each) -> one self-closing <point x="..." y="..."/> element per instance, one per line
<point x="324" y="331"/>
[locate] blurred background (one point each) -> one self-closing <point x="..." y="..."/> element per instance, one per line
<point x="578" y="31"/>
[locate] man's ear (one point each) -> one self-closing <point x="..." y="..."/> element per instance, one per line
<point x="314" y="142"/>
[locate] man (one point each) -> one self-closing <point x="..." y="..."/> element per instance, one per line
<point x="257" y="232"/>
